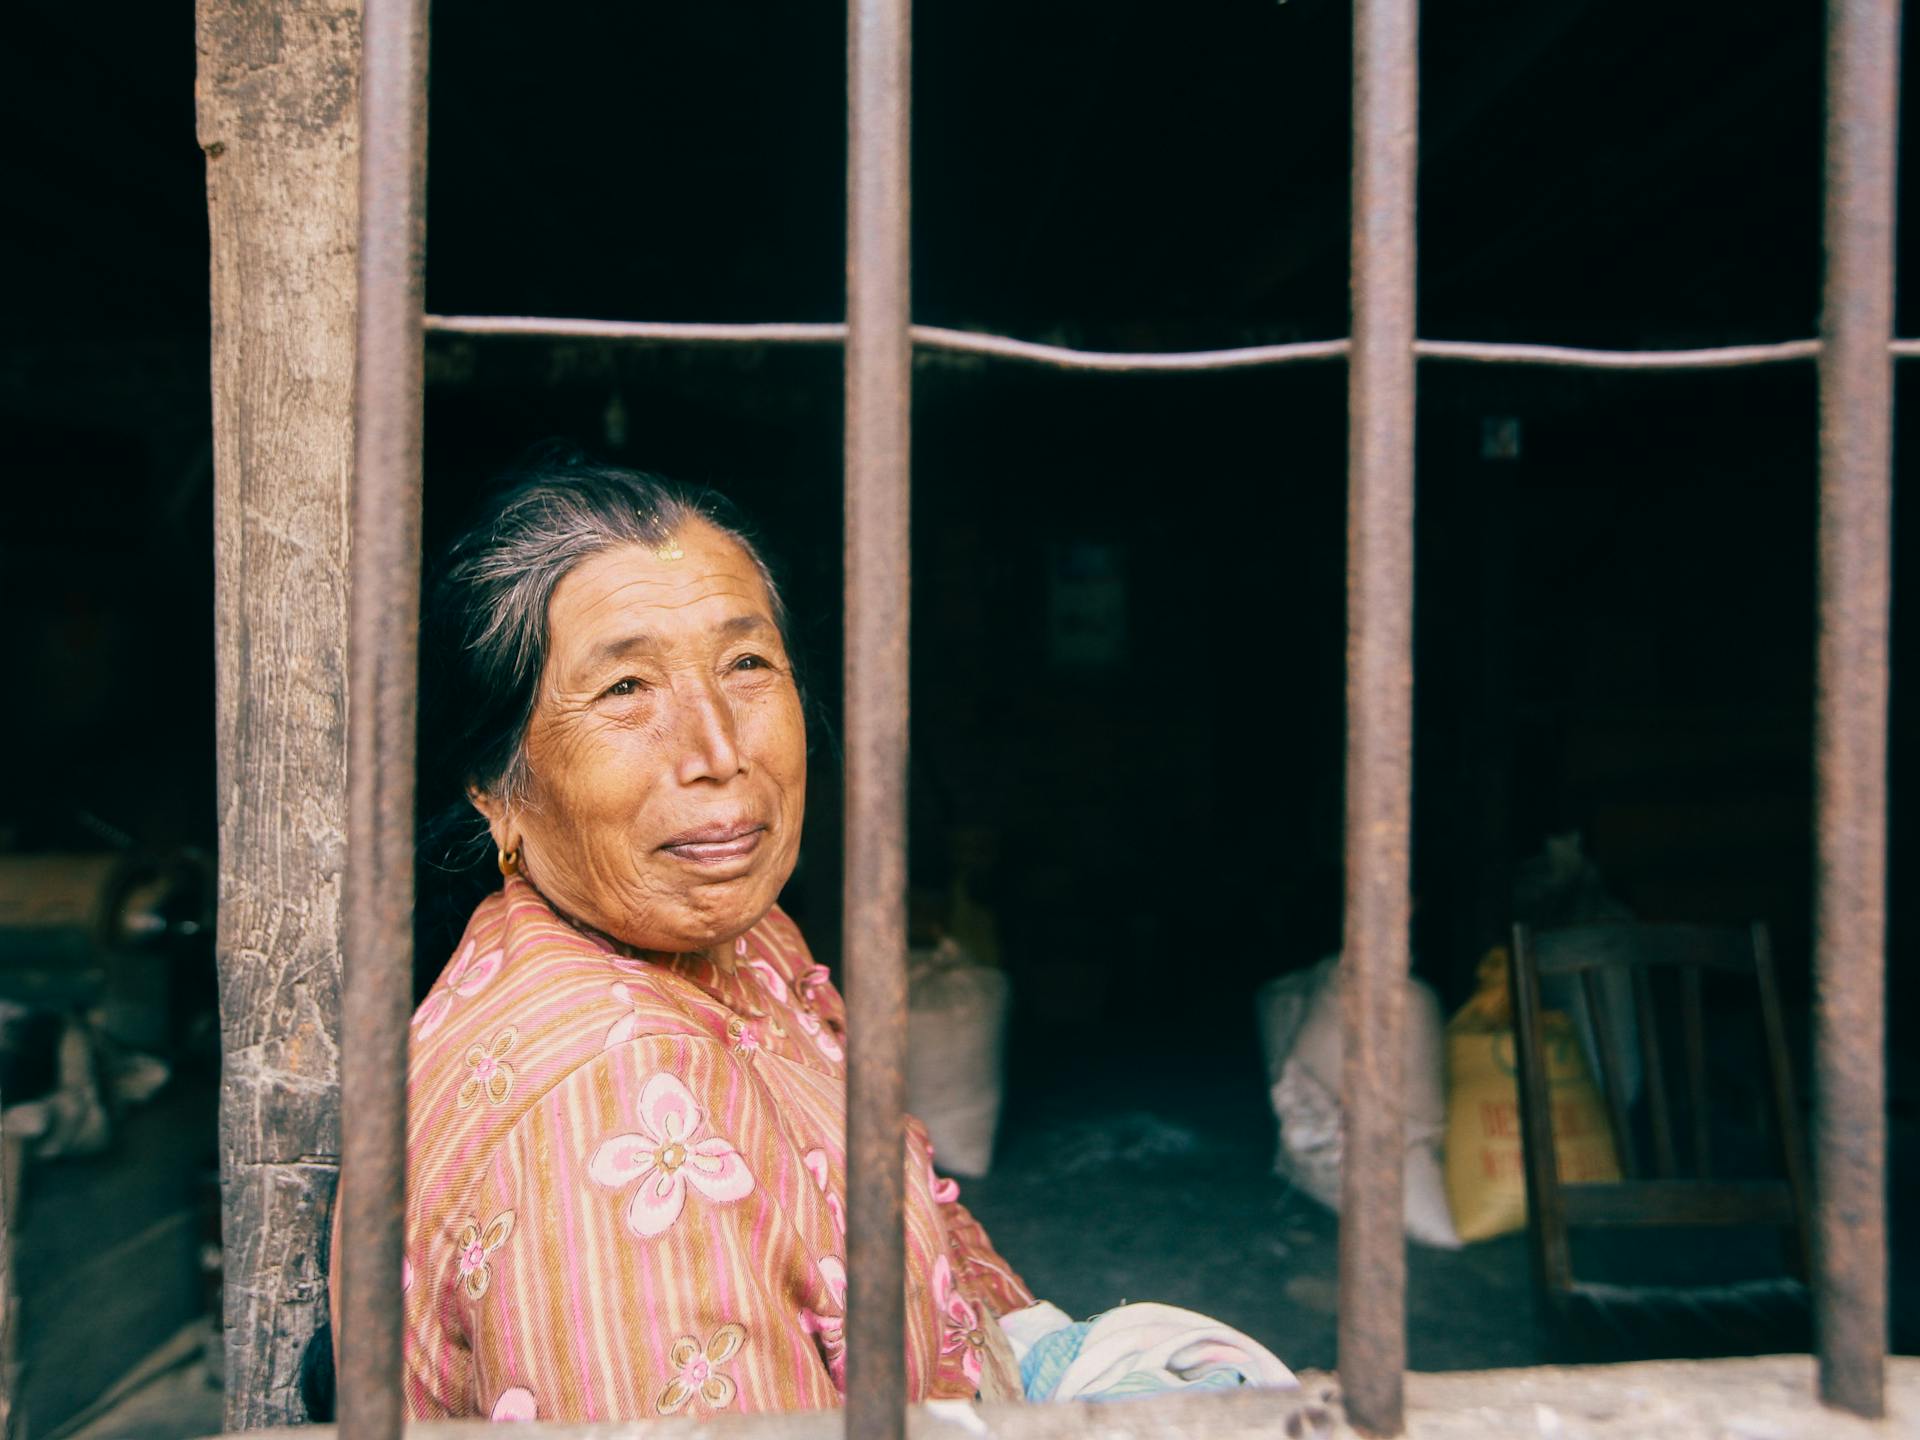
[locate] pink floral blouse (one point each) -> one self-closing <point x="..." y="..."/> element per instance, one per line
<point x="626" y="1180"/>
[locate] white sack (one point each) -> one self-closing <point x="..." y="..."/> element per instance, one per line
<point x="956" y="1040"/>
<point x="1281" y="1009"/>
<point x="1306" y="1094"/>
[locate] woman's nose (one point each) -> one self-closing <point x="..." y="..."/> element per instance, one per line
<point x="709" y="744"/>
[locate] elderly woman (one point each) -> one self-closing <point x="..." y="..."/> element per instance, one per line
<point x="626" y="1115"/>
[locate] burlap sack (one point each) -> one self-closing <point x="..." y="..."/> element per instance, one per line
<point x="1486" y="1168"/>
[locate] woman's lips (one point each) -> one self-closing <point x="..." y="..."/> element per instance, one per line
<point x="719" y="843"/>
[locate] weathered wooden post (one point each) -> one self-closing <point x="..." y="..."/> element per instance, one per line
<point x="278" y="101"/>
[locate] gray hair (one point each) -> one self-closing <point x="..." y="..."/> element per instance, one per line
<point x="488" y="616"/>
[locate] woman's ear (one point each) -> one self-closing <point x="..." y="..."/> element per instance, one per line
<point x="499" y="822"/>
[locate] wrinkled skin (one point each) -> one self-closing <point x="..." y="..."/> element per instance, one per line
<point x="667" y="708"/>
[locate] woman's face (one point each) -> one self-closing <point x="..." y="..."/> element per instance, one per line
<point x="667" y="750"/>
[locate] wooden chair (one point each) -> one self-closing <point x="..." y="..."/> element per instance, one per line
<point x="1673" y="1194"/>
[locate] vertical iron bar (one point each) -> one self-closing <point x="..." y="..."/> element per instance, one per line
<point x="1695" y="1028"/>
<point x="879" y="381"/>
<point x="383" y="620"/>
<point x="1786" y="1107"/>
<point x="1372" y="1324"/>
<point x="1856" y="446"/>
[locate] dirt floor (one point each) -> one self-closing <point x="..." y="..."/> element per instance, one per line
<point x="1114" y="1181"/>
<point x="1111" y="1185"/>
<point x="181" y="1402"/>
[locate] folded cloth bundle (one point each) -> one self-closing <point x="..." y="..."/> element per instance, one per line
<point x="1140" y="1349"/>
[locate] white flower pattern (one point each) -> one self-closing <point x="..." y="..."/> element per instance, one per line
<point x="816" y="1162"/>
<point x="666" y="1158"/>
<point x="830" y="1325"/>
<point x="804" y="1015"/>
<point x="516" y="1404"/>
<point x="467" y="976"/>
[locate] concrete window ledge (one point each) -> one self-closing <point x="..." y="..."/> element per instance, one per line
<point x="1768" y="1398"/>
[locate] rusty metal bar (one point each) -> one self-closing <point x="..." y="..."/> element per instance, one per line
<point x="879" y="394"/>
<point x="383" y="673"/>
<point x="1856" y="504"/>
<point x="1372" y="1342"/>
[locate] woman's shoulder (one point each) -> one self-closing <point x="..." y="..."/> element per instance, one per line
<point x="525" y="1000"/>
<point x="777" y="939"/>
<point x="514" y="952"/>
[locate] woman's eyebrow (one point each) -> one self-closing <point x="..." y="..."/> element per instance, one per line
<point x="618" y="647"/>
<point x="744" y="625"/>
<point x="645" y="642"/>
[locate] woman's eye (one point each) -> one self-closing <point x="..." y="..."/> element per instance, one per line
<point x="628" y="686"/>
<point x="751" y="662"/>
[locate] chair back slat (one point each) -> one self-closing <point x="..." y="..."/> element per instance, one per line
<point x="1654" y="1074"/>
<point x="1694" y="1030"/>
<point x="1613" y="1072"/>
<point x="1785" y="1105"/>
<point x="1649" y="1203"/>
<point x="1615" y="945"/>
<point x="1552" y="1261"/>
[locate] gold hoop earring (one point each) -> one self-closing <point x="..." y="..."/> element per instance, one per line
<point x="510" y="862"/>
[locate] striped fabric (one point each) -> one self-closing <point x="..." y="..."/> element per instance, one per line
<point x="626" y="1185"/>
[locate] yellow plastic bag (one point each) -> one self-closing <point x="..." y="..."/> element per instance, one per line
<point x="1486" y="1167"/>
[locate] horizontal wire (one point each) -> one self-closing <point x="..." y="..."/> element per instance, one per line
<point x="1718" y="358"/>
<point x="930" y="337"/>
<point x="1005" y="347"/>
<point x="539" y="326"/>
